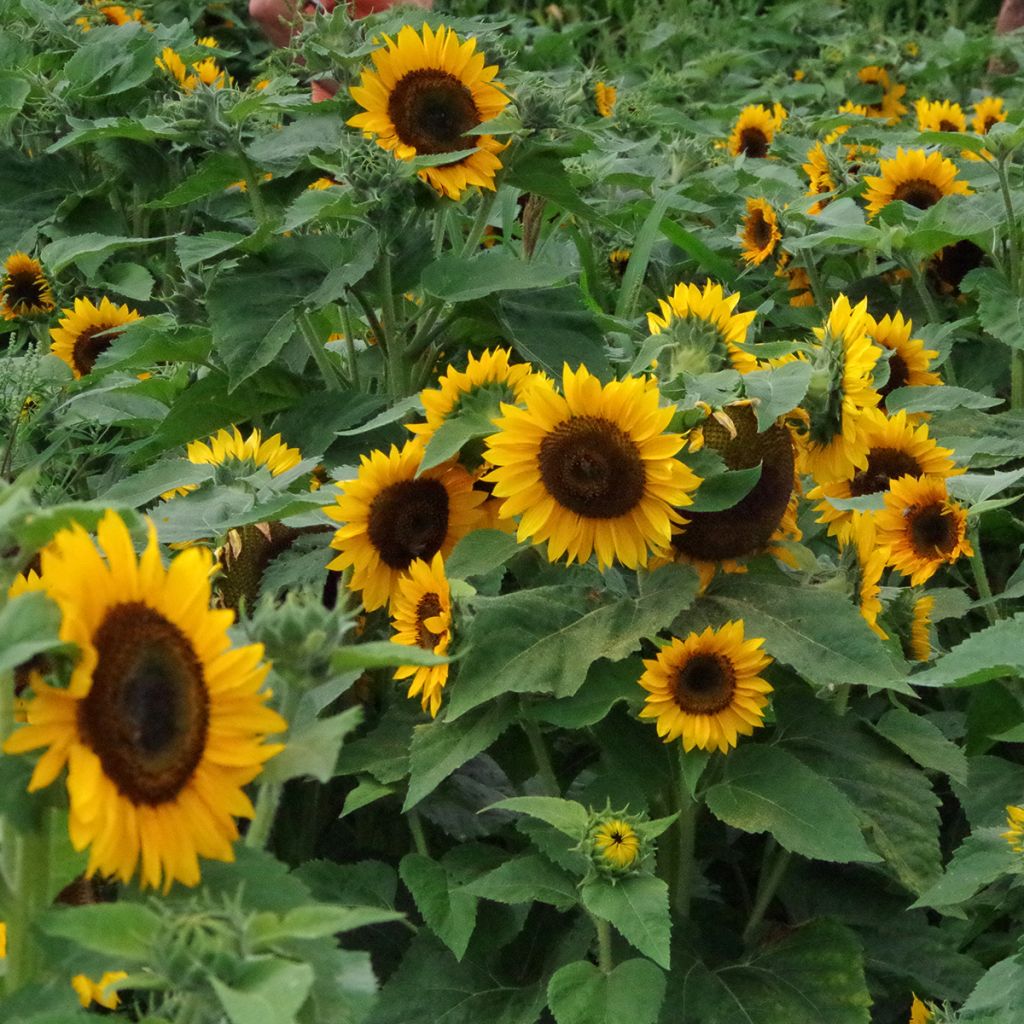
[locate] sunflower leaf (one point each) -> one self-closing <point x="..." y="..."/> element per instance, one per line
<point x="125" y="931"/>
<point x="580" y="993"/>
<point x="988" y="654"/>
<point x="637" y="906"/>
<point x="449" y="911"/>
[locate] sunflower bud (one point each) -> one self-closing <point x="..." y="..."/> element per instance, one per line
<point x="615" y="843"/>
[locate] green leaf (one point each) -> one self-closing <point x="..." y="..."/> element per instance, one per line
<point x="567" y="816"/>
<point x="268" y="991"/>
<point x="143" y="129"/>
<point x="315" y="921"/>
<point x="924" y="742"/>
<point x="474" y="418"/>
<point x="975" y="489"/>
<point x="525" y="879"/>
<point x="607" y="683"/>
<point x="997" y="997"/>
<point x="89" y="250"/>
<point x="128" y="279"/>
<point x="448" y="909"/>
<point x="459" y="279"/>
<point x="979" y="860"/>
<point x="193" y="249"/>
<point x="141" y="488"/>
<point x="545" y="639"/>
<point x="579" y="993"/>
<point x="381" y="654"/>
<point x="1000" y="307"/>
<point x="637" y="906"/>
<point x="212" y="176"/>
<point x="480" y="552"/>
<point x="722" y="489"/>
<point x="123" y="931"/>
<point x="29" y="625"/>
<point x="928" y="398"/>
<point x="313" y="751"/>
<point x="990" y="653"/>
<point x="777" y="391"/>
<point x="765" y="789"/>
<point x="636" y="268"/>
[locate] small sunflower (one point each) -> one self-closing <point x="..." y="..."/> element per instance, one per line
<point x="392" y="514"/>
<point x="321" y="185"/>
<point x="939" y="116"/>
<point x="1015" y="824"/>
<point x="915" y="177"/>
<point x="203" y="72"/>
<point x="819" y="176"/>
<point x="3" y="940"/>
<point x="706" y="329"/>
<point x="615" y="845"/>
<point x="427" y="92"/>
<point x="422" y="617"/>
<point x="909" y="360"/>
<point x="798" y="283"/>
<point x="919" y="1013"/>
<point x="89" y="991"/>
<point x="893" y="447"/>
<point x="706" y="689"/>
<point x="759" y="234"/>
<point x="755" y="129"/>
<point x="605" y="97"/>
<point x="87" y="331"/>
<point x="618" y="260"/>
<point x="24" y="289"/>
<point x="162" y="722"/>
<point x="922" y="528"/>
<point x="888" y="106"/>
<point x="593" y="471"/>
<point x="987" y="112"/>
<point x="919" y="645"/>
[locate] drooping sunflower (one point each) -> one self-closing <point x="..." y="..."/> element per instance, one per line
<point x="427" y="92"/>
<point x="759" y="233"/>
<point x="706" y="330"/>
<point x="888" y="106"/>
<point x="841" y="388"/>
<point x="24" y="289"/>
<point x="952" y="263"/>
<point x="915" y="177"/>
<point x="921" y="527"/>
<point x="593" y="471"/>
<point x="755" y="129"/>
<point x="909" y="360"/>
<point x="707" y="689"/>
<point x="939" y="116"/>
<point x="819" y="176"/>
<point x="87" y="331"/>
<point x="422" y="617"/>
<point x="893" y="448"/>
<point x="605" y="97"/>
<point x="987" y="112"/>
<point x="162" y="722"/>
<point x="760" y="522"/>
<point x="919" y="645"/>
<point x="89" y="991"/>
<point x="392" y="514"/>
<point x="615" y="845"/>
<point x="1015" y="824"/>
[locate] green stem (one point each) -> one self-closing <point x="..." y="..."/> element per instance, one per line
<point x="419" y="837"/>
<point x="320" y="355"/>
<point x="842" y="698"/>
<point x="440" y="227"/>
<point x="30" y="887"/>
<point x="1011" y="224"/>
<point x="350" y="346"/>
<point x="766" y="888"/>
<point x="605" y="960"/>
<point x="479" y="226"/>
<point x="269" y="795"/>
<point x="252" y="185"/>
<point x="541" y="757"/>
<point x="686" y="837"/>
<point x="980" y="573"/>
<point x="914" y="266"/>
<point x="812" y="275"/>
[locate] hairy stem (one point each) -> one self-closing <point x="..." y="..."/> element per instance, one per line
<point x="767" y="885"/>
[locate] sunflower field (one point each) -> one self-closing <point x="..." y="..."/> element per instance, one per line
<point x="509" y="512"/>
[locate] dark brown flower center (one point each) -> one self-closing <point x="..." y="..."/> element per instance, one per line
<point x="951" y="264"/>
<point x="589" y="466"/>
<point x="759" y="231"/>
<point x="948" y="126"/>
<point x="429" y="606"/>
<point x="24" y="291"/>
<point x="704" y="685"/>
<point x="933" y="531"/>
<point x="989" y="121"/>
<point x="408" y="520"/>
<point x="884" y="465"/>
<point x="753" y="142"/>
<point x="147" y="713"/>
<point x="899" y="373"/>
<point x="88" y="347"/>
<point x="918" y="192"/>
<point x="432" y="111"/>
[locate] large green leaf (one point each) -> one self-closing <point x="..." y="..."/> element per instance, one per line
<point x="450" y="912"/>
<point x="124" y="931"/>
<point x="579" y="993"/>
<point x="923" y="741"/>
<point x="987" y="654"/>
<point x="980" y="859"/>
<point x="525" y="879"/>
<point x="1000" y="307"/>
<point x="28" y="626"/>
<point x="267" y="991"/>
<point x="998" y="996"/>
<point x="638" y="908"/>
<point x="458" y="279"/>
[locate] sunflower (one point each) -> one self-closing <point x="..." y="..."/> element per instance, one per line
<point x="764" y="518"/>
<point x="754" y="130"/>
<point x="615" y="844"/>
<point x="3" y="940"/>
<point x="952" y="263"/>
<point x="915" y="177"/>
<point x="321" y="185"/>
<point x="605" y="97"/>
<point x="426" y="93"/>
<point x="919" y="1013"/>
<point x="908" y="358"/>
<point x="89" y="991"/>
<point x="162" y="722"/>
<point x="922" y="528"/>
<point x="24" y="289"/>
<point x="819" y="176"/>
<point x="760" y="232"/>
<point x="422" y="617"/>
<point x="706" y="330"/>
<point x="706" y="688"/>
<point x="798" y="284"/>
<point x="1015" y="823"/>
<point x="841" y="388"/>
<point x="871" y="562"/>
<point x="939" y="116"/>
<point x="618" y="260"/>
<point x="893" y="447"/>
<point x="987" y="112"/>
<point x="919" y="646"/>
<point x="392" y="514"/>
<point x="888" y="106"/>
<point x="204" y="72"/>
<point x="87" y="331"/>
<point x="591" y="471"/>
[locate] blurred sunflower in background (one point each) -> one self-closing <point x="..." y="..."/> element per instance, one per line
<point x="24" y="288"/>
<point x="759" y="232"/>
<point x="754" y="130"/>
<point x="87" y="331"/>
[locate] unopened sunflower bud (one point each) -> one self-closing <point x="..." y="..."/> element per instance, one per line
<point x="614" y="843"/>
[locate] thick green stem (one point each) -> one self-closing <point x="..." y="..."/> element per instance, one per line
<point x="686" y="837"/>
<point x="541" y="757"/>
<point x="30" y="890"/>
<point x="419" y="837"/>
<point x="605" y="960"/>
<point x="479" y="226"/>
<point x="350" y="346"/>
<point x="1013" y="236"/>
<point x="252" y="185"/>
<point x="766" y="888"/>
<point x="320" y="355"/>
<point x="815" y="279"/>
<point x="914" y="266"/>
<point x="269" y="795"/>
<point x="980" y="573"/>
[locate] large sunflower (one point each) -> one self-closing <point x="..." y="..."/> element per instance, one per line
<point x="706" y="689"/>
<point x="939" y="116"/>
<point x="422" y="617"/>
<point x="706" y="330"/>
<point x="915" y="177"/>
<point x="759" y="234"/>
<point x="87" y="331"/>
<point x="392" y="514"/>
<point x="427" y="92"/>
<point x="888" y="105"/>
<point x="921" y="527"/>
<point x="162" y="722"/>
<point x="24" y="289"/>
<point x="591" y="471"/>
<point x="909" y="360"/>
<point x="894" y="447"/>
<point x="754" y="130"/>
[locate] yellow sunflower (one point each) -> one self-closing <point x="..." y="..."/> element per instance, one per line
<point x="915" y="177"/>
<point x="819" y="176"/>
<point x="759" y="234"/>
<point x="593" y="471"/>
<point x="754" y="130"/>
<point x="427" y="92"/>
<point x="321" y="185"/>
<point x="203" y="72"/>
<point x="422" y="617"/>
<point x="3" y="940"/>
<point x="893" y="447"/>
<point x="618" y="260"/>
<point x="841" y="388"/>
<point x="871" y="562"/>
<point x="605" y="97"/>
<point x="987" y="112"/>
<point x="1015" y="823"/>
<point x="922" y="528"/>
<point x="392" y="514"/>
<point x="919" y="646"/>
<point x="888" y="106"/>
<point x="706" y="330"/>
<point x="162" y="722"/>
<point x="89" y="991"/>
<point x="24" y="289"/>
<point x="87" y="331"/>
<point x="909" y="360"/>
<point x="919" y="1013"/>
<point x="798" y="284"/>
<point x="707" y="689"/>
<point x="939" y="116"/>
<point x="763" y="520"/>
<point x="615" y="844"/>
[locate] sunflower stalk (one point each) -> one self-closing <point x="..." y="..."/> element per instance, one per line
<point x="980" y="573"/>
<point x="815" y="280"/>
<point x="767" y="886"/>
<point x="329" y="372"/>
<point x="30" y="889"/>
<point x="269" y="795"/>
<point x="350" y="345"/>
<point x="605" y="959"/>
<point x="479" y="225"/>
<point x="914" y="266"/>
<point x="681" y="885"/>
<point x="545" y="770"/>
